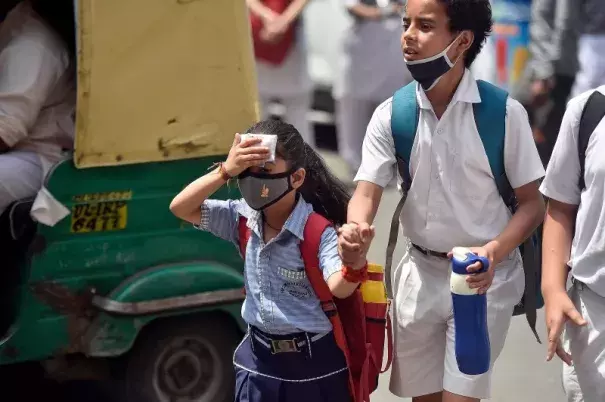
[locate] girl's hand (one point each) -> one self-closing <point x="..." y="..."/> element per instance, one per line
<point x="354" y="242"/>
<point x="245" y="154"/>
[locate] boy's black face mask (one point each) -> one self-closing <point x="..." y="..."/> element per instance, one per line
<point x="427" y="72"/>
<point x="261" y="190"/>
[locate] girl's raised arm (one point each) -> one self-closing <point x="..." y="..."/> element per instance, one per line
<point x="243" y="154"/>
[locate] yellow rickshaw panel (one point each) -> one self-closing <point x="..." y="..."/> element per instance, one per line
<point x="159" y="80"/>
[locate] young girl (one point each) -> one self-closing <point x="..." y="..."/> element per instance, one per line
<point x="280" y="303"/>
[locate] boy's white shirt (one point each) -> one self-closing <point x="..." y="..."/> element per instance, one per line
<point x="562" y="184"/>
<point x="453" y="200"/>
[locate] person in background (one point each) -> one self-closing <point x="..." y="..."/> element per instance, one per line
<point x="288" y="81"/>
<point x="591" y="48"/>
<point x="549" y="77"/>
<point x="372" y="69"/>
<point x="37" y="93"/>
<point x="573" y="244"/>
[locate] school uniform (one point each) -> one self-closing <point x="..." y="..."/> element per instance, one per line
<point x="587" y="261"/>
<point x="370" y="70"/>
<point x="291" y="84"/>
<point x="289" y="352"/>
<point x="453" y="201"/>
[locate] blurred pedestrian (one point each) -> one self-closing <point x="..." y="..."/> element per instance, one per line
<point x="548" y="80"/>
<point x="281" y="60"/>
<point x="371" y="70"/>
<point x="591" y="48"/>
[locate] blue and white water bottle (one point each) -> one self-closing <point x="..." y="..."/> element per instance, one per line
<point x="470" y="315"/>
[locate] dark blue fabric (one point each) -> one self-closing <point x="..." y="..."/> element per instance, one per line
<point x="296" y="372"/>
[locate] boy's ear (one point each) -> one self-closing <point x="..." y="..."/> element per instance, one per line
<point x="298" y="178"/>
<point x="466" y="41"/>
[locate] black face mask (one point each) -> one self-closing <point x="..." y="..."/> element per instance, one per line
<point x="427" y="72"/>
<point x="261" y="190"/>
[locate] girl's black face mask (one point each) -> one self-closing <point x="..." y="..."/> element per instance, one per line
<point x="261" y="190"/>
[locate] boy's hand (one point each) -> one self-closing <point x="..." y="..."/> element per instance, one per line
<point x="244" y="154"/>
<point x="559" y="308"/>
<point x="354" y="242"/>
<point x="481" y="281"/>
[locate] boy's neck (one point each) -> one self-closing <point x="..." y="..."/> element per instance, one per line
<point x="441" y="96"/>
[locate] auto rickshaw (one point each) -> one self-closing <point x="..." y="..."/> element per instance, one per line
<point x="163" y="86"/>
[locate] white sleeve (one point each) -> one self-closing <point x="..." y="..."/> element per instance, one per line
<point x="378" y="162"/>
<point x="562" y="176"/>
<point x="28" y="75"/>
<point x="351" y="3"/>
<point x="521" y="159"/>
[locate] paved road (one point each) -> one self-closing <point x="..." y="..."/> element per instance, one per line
<point x="521" y="372"/>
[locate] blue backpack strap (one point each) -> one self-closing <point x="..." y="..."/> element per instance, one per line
<point x="490" y="118"/>
<point x="491" y="109"/>
<point x="404" y="122"/>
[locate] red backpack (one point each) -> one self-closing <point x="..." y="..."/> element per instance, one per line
<point x="273" y="53"/>
<point x="359" y="326"/>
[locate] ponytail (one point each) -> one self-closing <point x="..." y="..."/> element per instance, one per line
<point x="327" y="194"/>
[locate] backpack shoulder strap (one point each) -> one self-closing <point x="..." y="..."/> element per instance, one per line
<point x="309" y="249"/>
<point x="593" y="113"/>
<point x="490" y="118"/>
<point x="404" y="120"/>
<point x="405" y="113"/>
<point x="244" y="235"/>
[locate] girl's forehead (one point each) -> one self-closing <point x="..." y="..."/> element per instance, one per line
<point x="280" y="163"/>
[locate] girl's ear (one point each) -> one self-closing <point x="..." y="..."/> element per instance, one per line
<point x="298" y="178"/>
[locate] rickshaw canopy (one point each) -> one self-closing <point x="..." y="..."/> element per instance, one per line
<point x="162" y="80"/>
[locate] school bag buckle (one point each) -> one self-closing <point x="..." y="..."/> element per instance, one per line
<point x="284" y="346"/>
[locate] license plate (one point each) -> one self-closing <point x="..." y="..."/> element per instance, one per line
<point x="104" y="216"/>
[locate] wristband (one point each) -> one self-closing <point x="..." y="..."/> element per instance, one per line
<point x="223" y="172"/>
<point x="355" y="275"/>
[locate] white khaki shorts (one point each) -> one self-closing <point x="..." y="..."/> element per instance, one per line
<point x="587" y="344"/>
<point x="425" y="360"/>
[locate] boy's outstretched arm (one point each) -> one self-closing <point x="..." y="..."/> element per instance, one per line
<point x="361" y="213"/>
<point x="556" y="249"/>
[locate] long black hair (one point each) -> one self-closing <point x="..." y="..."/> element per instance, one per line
<point x="60" y="16"/>
<point x="328" y="195"/>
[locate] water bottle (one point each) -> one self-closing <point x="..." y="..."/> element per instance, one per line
<point x="470" y="315"/>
